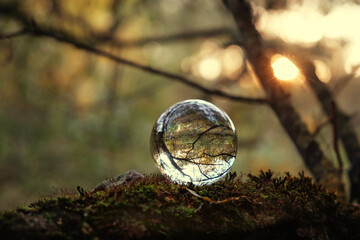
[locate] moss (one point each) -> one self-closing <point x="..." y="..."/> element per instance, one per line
<point x="259" y="207"/>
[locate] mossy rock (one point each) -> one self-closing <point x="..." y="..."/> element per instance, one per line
<point x="258" y="207"/>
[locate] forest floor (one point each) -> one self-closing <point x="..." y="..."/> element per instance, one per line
<point x="251" y="207"/>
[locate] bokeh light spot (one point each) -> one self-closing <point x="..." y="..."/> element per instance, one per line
<point x="284" y="69"/>
<point x="210" y="68"/>
<point x="232" y="60"/>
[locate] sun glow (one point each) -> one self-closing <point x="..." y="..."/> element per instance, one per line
<point x="306" y="24"/>
<point x="284" y="69"/>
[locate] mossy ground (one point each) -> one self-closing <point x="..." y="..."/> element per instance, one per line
<point x="259" y="207"/>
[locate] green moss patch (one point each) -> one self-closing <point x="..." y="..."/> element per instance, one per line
<point x="259" y="207"/>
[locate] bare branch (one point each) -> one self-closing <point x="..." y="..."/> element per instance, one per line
<point x="30" y="27"/>
<point x="314" y="158"/>
<point x="347" y="132"/>
<point x="185" y="36"/>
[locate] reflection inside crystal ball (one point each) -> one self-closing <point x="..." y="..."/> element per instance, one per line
<point x="194" y="141"/>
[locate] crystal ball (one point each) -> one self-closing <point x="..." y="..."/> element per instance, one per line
<point x="194" y="141"/>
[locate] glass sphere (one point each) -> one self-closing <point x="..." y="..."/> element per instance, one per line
<point x="194" y="141"/>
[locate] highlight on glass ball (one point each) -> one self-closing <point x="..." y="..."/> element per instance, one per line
<point x="194" y="141"/>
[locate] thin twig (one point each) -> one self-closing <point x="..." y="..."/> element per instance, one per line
<point x="335" y="135"/>
<point x="207" y="199"/>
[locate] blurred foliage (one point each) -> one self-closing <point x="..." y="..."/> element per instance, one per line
<point x="69" y="118"/>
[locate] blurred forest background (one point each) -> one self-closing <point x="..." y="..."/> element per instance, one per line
<point x="69" y="117"/>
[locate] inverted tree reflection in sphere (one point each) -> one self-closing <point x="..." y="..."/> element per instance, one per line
<point x="194" y="141"/>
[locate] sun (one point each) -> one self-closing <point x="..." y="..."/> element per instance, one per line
<point x="284" y="69"/>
